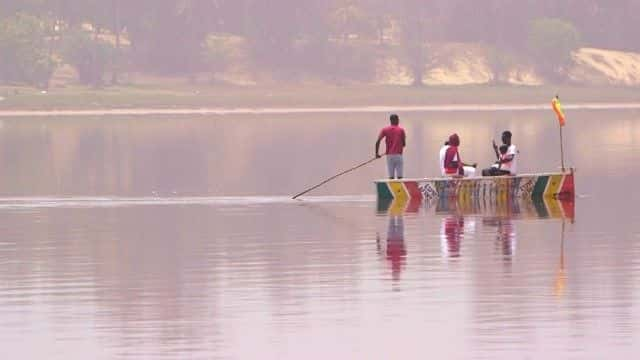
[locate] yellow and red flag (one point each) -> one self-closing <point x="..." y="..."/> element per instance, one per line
<point x="557" y="107"/>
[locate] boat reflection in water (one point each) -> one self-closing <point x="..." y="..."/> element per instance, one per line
<point x="459" y="219"/>
<point x="459" y="216"/>
<point x="452" y="231"/>
<point x="395" y="251"/>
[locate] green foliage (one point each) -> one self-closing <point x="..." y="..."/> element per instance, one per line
<point x="348" y="18"/>
<point x="25" y="56"/>
<point x="500" y="62"/>
<point x="221" y="50"/>
<point x="88" y="54"/>
<point x="551" y="42"/>
<point x="32" y="7"/>
<point x="350" y="61"/>
<point x="167" y="36"/>
<point x="298" y="38"/>
<point x="414" y="36"/>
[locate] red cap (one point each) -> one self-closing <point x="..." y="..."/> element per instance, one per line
<point x="454" y="140"/>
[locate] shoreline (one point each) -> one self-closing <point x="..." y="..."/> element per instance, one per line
<point x="315" y="110"/>
<point x="157" y="98"/>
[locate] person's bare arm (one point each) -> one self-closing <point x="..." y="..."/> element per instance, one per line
<point x="380" y="137"/>
<point x="495" y="148"/>
<point x="378" y="147"/>
<point x="462" y="163"/>
<point x="507" y="159"/>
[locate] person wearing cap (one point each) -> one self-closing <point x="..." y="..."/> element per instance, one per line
<point x="453" y="164"/>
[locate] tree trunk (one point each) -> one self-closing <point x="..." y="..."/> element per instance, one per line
<point x="417" y="59"/>
<point x="380" y="26"/>
<point x="116" y="55"/>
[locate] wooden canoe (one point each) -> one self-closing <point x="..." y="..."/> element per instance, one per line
<point x="526" y="186"/>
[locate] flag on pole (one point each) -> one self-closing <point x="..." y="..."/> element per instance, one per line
<point x="557" y="107"/>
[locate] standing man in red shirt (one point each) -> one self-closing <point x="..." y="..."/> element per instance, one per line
<point x="395" y="140"/>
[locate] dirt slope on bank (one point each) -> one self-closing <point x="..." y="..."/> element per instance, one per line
<point x="470" y="64"/>
<point x="606" y="67"/>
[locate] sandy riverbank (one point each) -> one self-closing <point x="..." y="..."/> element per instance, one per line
<point x="303" y="110"/>
<point x="177" y="98"/>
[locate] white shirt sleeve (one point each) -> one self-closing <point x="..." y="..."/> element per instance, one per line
<point x="512" y="165"/>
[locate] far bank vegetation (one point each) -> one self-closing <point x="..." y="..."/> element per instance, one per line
<point x="240" y="42"/>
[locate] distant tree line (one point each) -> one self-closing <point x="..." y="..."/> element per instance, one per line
<point x="337" y="39"/>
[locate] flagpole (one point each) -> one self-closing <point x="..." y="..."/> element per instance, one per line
<point x="561" y="149"/>
<point x="555" y="104"/>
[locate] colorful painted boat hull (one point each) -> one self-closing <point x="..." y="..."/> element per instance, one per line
<point x="533" y="186"/>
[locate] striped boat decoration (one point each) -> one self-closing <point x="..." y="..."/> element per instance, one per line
<point x="531" y="186"/>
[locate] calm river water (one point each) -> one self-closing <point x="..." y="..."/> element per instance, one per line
<point x="173" y="237"/>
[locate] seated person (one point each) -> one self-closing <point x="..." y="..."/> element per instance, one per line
<point x="453" y="164"/>
<point x="502" y="161"/>
<point x="506" y="164"/>
<point x="443" y="152"/>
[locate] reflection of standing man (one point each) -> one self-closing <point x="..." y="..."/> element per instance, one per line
<point x="396" y="251"/>
<point x="395" y="141"/>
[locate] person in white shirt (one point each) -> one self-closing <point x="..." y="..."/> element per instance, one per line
<point x="507" y="163"/>
<point x="453" y="164"/>
<point x="443" y="152"/>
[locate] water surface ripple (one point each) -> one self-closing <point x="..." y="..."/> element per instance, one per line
<point x="175" y="238"/>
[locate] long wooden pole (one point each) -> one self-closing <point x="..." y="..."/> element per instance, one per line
<point x="561" y="149"/>
<point x="335" y="176"/>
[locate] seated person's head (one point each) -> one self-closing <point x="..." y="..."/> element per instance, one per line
<point x="504" y="149"/>
<point x="506" y="137"/>
<point x="454" y="140"/>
